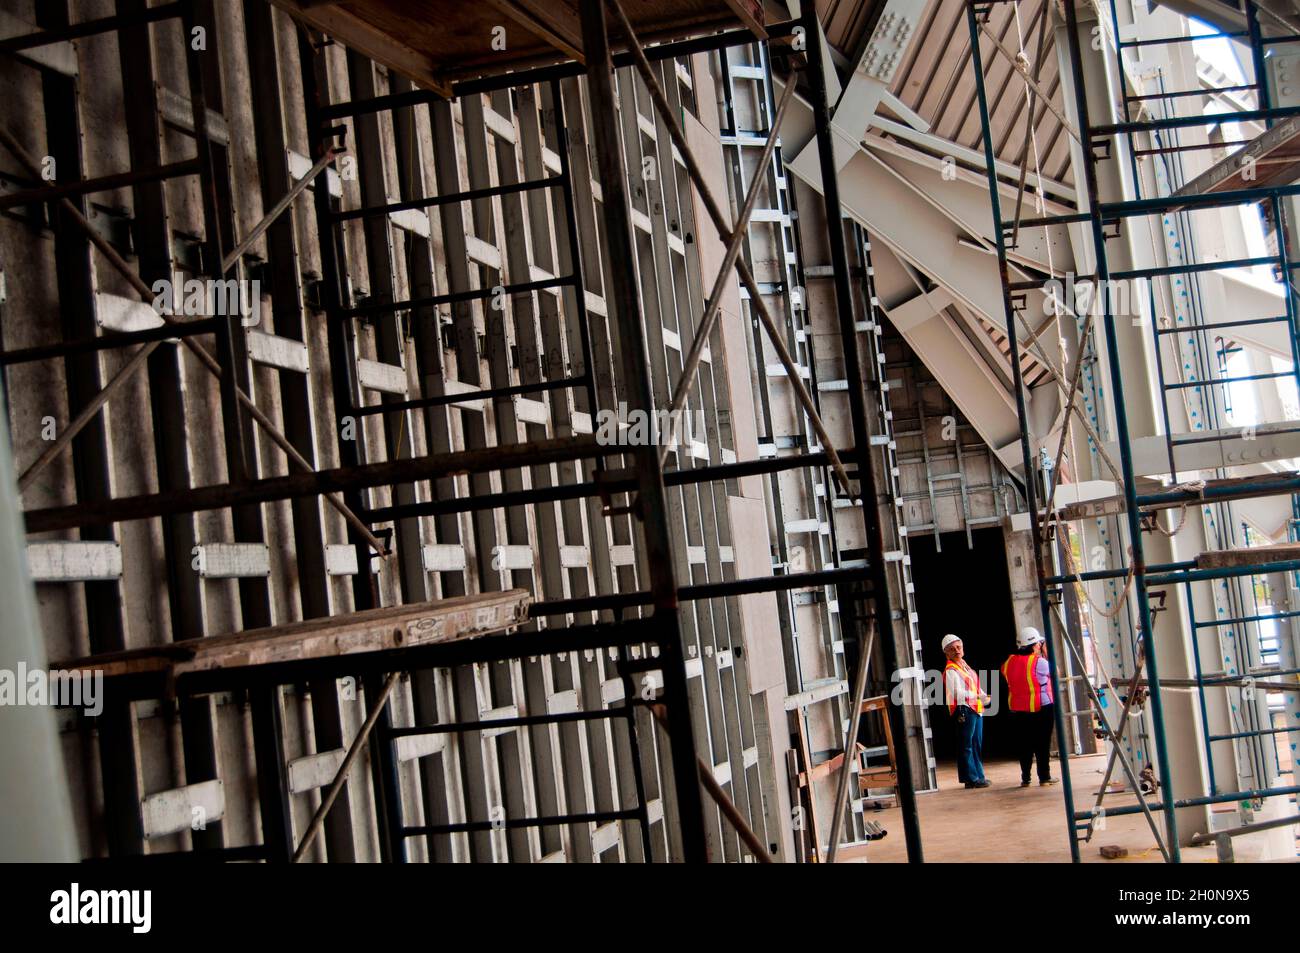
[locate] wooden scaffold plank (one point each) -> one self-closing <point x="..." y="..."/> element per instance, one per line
<point x="373" y="630"/>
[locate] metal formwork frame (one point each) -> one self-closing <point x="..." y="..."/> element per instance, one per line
<point x="800" y="503"/>
<point x="436" y="433"/>
<point x="1138" y="511"/>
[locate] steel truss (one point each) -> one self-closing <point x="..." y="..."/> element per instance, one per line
<point x="1146" y="128"/>
<point x="660" y="711"/>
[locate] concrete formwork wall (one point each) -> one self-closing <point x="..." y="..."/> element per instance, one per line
<point x="805" y="530"/>
<point x="950" y="480"/>
<point x="166" y="429"/>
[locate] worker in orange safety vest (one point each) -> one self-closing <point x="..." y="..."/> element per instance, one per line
<point x="966" y="703"/>
<point x="1029" y="696"/>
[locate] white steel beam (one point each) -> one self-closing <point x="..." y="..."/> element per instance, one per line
<point x="868" y="86"/>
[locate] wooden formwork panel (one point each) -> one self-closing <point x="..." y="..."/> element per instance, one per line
<point x="434" y="42"/>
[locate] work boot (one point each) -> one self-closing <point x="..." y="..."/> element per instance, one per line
<point x="1044" y="782"/>
<point x="1024" y="782"/>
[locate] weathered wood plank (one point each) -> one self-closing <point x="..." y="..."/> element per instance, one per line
<point x="375" y="630"/>
<point x="1251" y="556"/>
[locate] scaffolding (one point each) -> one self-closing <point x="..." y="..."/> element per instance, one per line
<point x="465" y="365"/>
<point x="1133" y="131"/>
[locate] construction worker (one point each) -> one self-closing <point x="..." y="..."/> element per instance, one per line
<point x="961" y="690"/>
<point x="1029" y="692"/>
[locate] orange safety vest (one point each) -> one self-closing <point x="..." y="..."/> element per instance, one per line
<point x="972" y="688"/>
<point x="1022" y="685"/>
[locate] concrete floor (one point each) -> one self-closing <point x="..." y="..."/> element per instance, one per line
<point x="1006" y="823"/>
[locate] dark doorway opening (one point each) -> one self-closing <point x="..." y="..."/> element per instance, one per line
<point x="966" y="591"/>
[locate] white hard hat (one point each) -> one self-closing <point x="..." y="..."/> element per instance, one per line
<point x="1028" y="636"/>
<point x="948" y="640"/>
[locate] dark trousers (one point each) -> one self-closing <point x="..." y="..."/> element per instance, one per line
<point x="970" y="741"/>
<point x="1033" y="734"/>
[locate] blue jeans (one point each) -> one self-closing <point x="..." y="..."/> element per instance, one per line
<point x="970" y="739"/>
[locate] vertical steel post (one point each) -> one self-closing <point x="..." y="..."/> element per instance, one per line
<point x="91" y="461"/>
<point x="1031" y="488"/>
<point x="1121" y="416"/>
<point x="861" y="435"/>
<point x="1264" y="101"/>
<point x="343" y="383"/>
<point x="651" y="504"/>
<point x="579" y="286"/>
<point x="1200" y="685"/>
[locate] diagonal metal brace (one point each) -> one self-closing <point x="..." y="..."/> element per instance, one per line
<point x="756" y="302"/>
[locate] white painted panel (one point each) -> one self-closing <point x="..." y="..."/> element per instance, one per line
<point x="495" y="714"/>
<point x="574" y="557"/>
<point x="483" y="253"/>
<point x="74" y="561"/>
<point x="300" y="165"/>
<point x="413" y="220"/>
<point x="442" y="385"/>
<point x="414" y="747"/>
<point x="181" y="809"/>
<point x="314" y="770"/>
<point x="512" y="557"/>
<point x="498" y="124"/>
<point x="532" y="411"/>
<point x="341" y="559"/>
<point x="275" y="351"/>
<point x="443" y="557"/>
<point x="233" y="560"/>
<point x="612" y="690"/>
<point x="604" y="837"/>
<point x="115" y="313"/>
<point x="562" y="703"/>
<point x="828" y="688"/>
<point x="386" y="378"/>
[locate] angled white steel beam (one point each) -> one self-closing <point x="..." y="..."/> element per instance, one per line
<point x="964" y="202"/>
<point x="953" y="360"/>
<point x="911" y="223"/>
<point x="869" y="83"/>
<point x="904" y="112"/>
